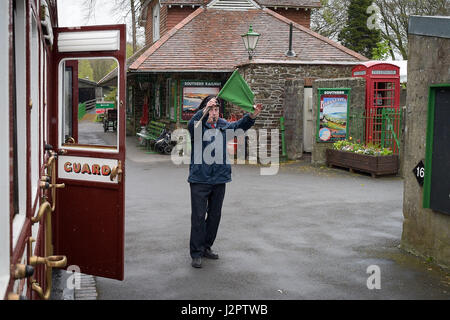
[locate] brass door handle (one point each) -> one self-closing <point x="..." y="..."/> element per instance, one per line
<point x="54" y="187"/>
<point x="51" y="176"/>
<point x="51" y="172"/>
<point x="47" y="185"/>
<point x="50" y="161"/>
<point x="52" y="261"/>
<point x="116" y="172"/>
<point x="44" y="208"/>
<point x="70" y="140"/>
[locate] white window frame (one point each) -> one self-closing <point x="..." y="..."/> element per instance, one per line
<point x="91" y="148"/>
<point x="35" y="109"/>
<point x="22" y="105"/>
<point x="4" y="153"/>
<point x="42" y="104"/>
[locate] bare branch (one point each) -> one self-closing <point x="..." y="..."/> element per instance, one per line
<point x="395" y="18"/>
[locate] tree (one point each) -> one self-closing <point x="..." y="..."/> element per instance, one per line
<point x="130" y="50"/>
<point x="85" y="70"/>
<point x="131" y="8"/>
<point x="101" y="67"/>
<point x="356" y="35"/>
<point x="394" y="16"/>
<point x="330" y="18"/>
<point x="382" y="51"/>
<point x="123" y="10"/>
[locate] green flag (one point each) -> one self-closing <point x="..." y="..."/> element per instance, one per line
<point x="237" y="91"/>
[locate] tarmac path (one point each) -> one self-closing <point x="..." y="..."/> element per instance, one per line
<point x="305" y="233"/>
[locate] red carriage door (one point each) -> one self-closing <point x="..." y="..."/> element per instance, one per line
<point x="89" y="210"/>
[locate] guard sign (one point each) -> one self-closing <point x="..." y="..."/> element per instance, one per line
<point x="419" y="172"/>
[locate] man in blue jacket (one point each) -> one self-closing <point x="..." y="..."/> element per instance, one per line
<point x="208" y="176"/>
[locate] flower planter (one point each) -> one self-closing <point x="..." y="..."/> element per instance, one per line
<point x="375" y="165"/>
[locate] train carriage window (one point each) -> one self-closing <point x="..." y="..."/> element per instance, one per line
<point x="15" y="176"/>
<point x="89" y="103"/>
<point x="5" y="268"/>
<point x="68" y="101"/>
<point x="19" y="137"/>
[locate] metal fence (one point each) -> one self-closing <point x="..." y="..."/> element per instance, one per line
<point x="377" y="126"/>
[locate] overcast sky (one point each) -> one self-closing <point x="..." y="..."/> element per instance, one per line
<point x="72" y="13"/>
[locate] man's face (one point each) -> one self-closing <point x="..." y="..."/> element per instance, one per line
<point x="213" y="113"/>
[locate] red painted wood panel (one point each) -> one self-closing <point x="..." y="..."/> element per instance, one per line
<point x="89" y="217"/>
<point x="94" y="224"/>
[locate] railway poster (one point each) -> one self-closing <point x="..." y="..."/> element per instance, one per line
<point x="193" y="93"/>
<point x="333" y="115"/>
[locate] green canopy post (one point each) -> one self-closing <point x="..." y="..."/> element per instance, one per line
<point x="283" y="142"/>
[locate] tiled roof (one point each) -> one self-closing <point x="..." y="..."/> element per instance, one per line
<point x="290" y="3"/>
<point x="210" y="40"/>
<point x="184" y="2"/>
<point x="267" y="3"/>
<point x="233" y="4"/>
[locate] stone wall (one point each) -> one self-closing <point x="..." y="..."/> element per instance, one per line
<point x="425" y="232"/>
<point x="356" y="106"/>
<point x="293" y="118"/>
<point x="280" y="88"/>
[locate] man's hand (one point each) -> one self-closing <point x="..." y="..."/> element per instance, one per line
<point x="258" y="108"/>
<point x="210" y="104"/>
<point x="206" y="109"/>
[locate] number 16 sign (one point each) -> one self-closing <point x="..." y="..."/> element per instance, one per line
<point x="419" y="172"/>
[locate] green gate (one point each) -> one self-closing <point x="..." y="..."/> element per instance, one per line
<point x="386" y="131"/>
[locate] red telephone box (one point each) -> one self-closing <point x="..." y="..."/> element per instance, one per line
<point x="382" y="110"/>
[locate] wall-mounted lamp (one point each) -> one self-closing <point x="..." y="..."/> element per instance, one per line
<point x="250" y="41"/>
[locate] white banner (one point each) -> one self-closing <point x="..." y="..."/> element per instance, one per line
<point x="86" y="169"/>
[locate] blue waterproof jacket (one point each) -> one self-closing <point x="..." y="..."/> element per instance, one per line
<point x="217" y="172"/>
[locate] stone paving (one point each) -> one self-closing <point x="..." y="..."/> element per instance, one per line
<point x="88" y="288"/>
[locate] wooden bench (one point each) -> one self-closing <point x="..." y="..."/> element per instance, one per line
<point x="154" y="131"/>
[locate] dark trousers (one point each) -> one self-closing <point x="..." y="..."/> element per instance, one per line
<point x="206" y="205"/>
